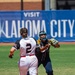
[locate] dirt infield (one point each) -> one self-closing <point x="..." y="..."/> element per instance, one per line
<point x="6" y="44"/>
<point x="9" y="44"/>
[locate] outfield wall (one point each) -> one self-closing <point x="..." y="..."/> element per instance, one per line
<point x="56" y="23"/>
<point x="16" y="5"/>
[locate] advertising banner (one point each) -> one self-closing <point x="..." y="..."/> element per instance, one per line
<point x="58" y="24"/>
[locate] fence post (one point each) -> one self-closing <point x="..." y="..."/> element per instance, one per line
<point x="21" y="4"/>
<point x="47" y="4"/>
<point x="53" y="4"/>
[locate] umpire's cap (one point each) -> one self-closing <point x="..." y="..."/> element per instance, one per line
<point x="42" y="33"/>
<point x="23" y="30"/>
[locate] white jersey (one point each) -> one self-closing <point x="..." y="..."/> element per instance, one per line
<point x="27" y="46"/>
<point x="28" y="60"/>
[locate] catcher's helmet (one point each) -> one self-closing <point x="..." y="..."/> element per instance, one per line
<point x="42" y="33"/>
<point x="43" y="39"/>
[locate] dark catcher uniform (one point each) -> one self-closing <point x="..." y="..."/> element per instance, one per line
<point x="43" y="57"/>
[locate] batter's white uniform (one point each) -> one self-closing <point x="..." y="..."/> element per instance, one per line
<point x="28" y="60"/>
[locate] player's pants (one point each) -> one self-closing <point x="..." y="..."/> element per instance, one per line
<point x="28" y="63"/>
<point x="47" y="65"/>
<point x="48" y="68"/>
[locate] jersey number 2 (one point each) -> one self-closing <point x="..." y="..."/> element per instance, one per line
<point x="28" y="49"/>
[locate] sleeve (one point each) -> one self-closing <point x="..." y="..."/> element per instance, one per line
<point x="17" y="45"/>
<point x="38" y="41"/>
<point x="38" y="47"/>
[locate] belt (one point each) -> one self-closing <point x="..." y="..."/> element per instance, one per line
<point x="28" y="55"/>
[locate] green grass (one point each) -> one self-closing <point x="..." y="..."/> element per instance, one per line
<point x="63" y="61"/>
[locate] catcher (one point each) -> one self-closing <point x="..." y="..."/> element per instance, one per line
<point x="43" y="56"/>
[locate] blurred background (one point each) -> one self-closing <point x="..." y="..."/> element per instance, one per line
<point x="37" y="4"/>
<point x="55" y="11"/>
<point x="63" y="59"/>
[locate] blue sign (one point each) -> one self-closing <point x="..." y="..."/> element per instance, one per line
<point x="57" y="24"/>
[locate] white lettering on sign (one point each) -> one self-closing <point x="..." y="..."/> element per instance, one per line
<point x="56" y="28"/>
<point x="13" y="30"/>
<point x="31" y="14"/>
<point x="62" y="25"/>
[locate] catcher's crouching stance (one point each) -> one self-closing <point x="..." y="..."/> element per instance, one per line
<point x="28" y="61"/>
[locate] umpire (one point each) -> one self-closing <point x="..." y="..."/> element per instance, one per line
<point x="43" y="56"/>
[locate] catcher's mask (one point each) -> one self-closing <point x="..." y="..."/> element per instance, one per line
<point x="42" y="33"/>
<point x="23" y="32"/>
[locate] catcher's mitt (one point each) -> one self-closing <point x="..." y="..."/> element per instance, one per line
<point x="53" y="41"/>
